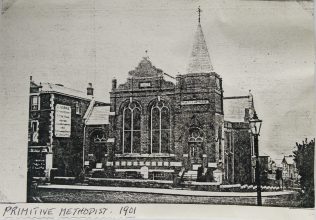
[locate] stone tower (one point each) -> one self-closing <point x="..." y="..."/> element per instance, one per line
<point x="199" y="115"/>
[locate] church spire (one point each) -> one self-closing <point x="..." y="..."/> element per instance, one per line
<point x="200" y="61"/>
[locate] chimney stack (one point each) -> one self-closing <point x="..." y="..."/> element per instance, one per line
<point x="90" y="90"/>
<point x="114" y="83"/>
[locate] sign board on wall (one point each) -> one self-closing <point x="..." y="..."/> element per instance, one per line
<point x="62" y="120"/>
<point x="195" y="102"/>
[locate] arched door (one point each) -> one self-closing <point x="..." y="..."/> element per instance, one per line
<point x="98" y="145"/>
<point x="196" y="146"/>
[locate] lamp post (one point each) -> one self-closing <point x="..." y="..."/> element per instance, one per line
<point x="255" y="126"/>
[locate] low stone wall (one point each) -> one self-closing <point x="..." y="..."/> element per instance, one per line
<point x="130" y="183"/>
<point x="164" y="184"/>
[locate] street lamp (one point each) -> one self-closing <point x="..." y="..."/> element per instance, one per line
<point x="255" y="126"/>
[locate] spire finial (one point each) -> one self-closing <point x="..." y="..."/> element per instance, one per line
<point x="199" y="12"/>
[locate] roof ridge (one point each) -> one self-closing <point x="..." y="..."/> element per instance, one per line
<point x="66" y="87"/>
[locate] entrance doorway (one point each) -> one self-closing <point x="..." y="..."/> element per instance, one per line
<point x="98" y="146"/>
<point x="196" y="152"/>
<point x="196" y="146"/>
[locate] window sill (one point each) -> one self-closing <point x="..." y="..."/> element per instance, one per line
<point x="146" y="155"/>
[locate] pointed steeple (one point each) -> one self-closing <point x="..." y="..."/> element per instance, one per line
<point x="200" y="61"/>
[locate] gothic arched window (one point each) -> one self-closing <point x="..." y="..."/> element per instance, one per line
<point x="160" y="128"/>
<point x="131" y="128"/>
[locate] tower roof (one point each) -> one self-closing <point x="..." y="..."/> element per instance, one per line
<point x="200" y="61"/>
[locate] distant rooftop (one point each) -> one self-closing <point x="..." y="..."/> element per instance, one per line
<point x="261" y="153"/>
<point x="278" y="162"/>
<point x="288" y="159"/>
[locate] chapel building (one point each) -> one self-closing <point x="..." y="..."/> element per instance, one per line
<point x="172" y="127"/>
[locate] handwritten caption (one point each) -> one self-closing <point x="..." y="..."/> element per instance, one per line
<point x="16" y="211"/>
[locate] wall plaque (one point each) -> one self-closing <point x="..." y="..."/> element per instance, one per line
<point x="195" y="102"/>
<point x="144" y="84"/>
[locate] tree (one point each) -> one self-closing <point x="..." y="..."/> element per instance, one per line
<point x="304" y="159"/>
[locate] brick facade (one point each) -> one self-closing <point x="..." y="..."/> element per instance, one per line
<point x="194" y="102"/>
<point x="63" y="154"/>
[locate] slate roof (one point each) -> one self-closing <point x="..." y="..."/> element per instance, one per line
<point x="33" y="84"/>
<point x="56" y="88"/>
<point x="200" y="61"/>
<point x="235" y="108"/>
<point x="98" y="115"/>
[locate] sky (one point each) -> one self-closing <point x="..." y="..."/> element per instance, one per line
<point x="265" y="46"/>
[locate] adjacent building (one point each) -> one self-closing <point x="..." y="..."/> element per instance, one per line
<point x="56" y="129"/>
<point x="96" y="135"/>
<point x="289" y="168"/>
<point x="239" y="152"/>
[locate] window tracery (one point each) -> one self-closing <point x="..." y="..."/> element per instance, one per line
<point x="131" y="128"/>
<point x="160" y="130"/>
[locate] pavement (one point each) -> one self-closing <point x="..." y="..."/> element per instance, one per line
<point x="184" y="192"/>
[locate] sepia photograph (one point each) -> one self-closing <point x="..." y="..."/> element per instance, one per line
<point x="158" y="102"/>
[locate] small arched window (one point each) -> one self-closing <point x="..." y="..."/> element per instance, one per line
<point x="131" y="128"/>
<point x="160" y="128"/>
